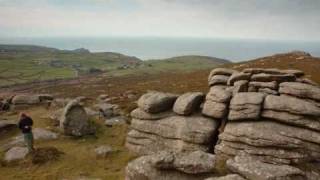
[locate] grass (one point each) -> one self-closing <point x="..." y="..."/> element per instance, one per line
<point x="79" y="158"/>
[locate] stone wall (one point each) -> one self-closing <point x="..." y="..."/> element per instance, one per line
<point x="267" y="117"/>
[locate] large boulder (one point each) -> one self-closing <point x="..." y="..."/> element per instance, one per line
<point x="140" y="114"/>
<point x="292" y="105"/>
<point x="178" y="133"/>
<point x="246" y="106"/>
<point x="75" y="121"/>
<point x="253" y="169"/>
<point x="166" y="165"/>
<point x="25" y="100"/>
<point x="301" y="90"/>
<point x="15" y="154"/>
<point x="221" y="71"/>
<point x="218" y="80"/>
<point x="273" y="77"/>
<point x="238" y="77"/>
<point x="188" y="103"/>
<point x="155" y="102"/>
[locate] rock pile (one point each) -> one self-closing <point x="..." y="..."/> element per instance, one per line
<point x="268" y="122"/>
<point x="161" y="123"/>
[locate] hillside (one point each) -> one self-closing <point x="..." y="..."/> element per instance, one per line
<point x="25" y="63"/>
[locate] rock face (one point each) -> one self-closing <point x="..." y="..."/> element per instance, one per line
<point x="259" y="124"/>
<point x="75" y="121"/>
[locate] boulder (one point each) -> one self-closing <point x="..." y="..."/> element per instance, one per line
<point x="245" y="106"/>
<point x="218" y="94"/>
<point x="196" y="162"/>
<point x="75" y="121"/>
<point x="107" y="110"/>
<point x="25" y="100"/>
<point x="273" y="77"/>
<point x="253" y="169"/>
<point x="218" y="80"/>
<point x="293" y="119"/>
<point x="15" y="154"/>
<point x="295" y="72"/>
<point x="142" y="169"/>
<point x="292" y="105"/>
<point x="103" y="151"/>
<point x="227" y="177"/>
<point x="221" y="71"/>
<point x="215" y="109"/>
<point x="155" y="102"/>
<point x="188" y="103"/>
<point x="262" y="70"/>
<point x="140" y="114"/>
<point x="177" y="133"/>
<point x="300" y="90"/>
<point x="238" y="77"/>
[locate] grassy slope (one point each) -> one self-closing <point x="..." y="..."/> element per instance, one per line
<point x="78" y="160"/>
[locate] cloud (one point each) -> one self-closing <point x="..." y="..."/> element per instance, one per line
<point x="269" y="19"/>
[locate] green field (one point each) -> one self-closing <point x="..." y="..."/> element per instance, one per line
<point x="24" y="63"/>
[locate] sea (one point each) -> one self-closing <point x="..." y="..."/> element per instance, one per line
<point x="147" y="48"/>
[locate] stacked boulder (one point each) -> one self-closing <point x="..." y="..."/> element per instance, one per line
<point x="165" y="121"/>
<point x="268" y="122"/>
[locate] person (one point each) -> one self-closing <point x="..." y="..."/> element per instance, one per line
<point x="25" y="125"/>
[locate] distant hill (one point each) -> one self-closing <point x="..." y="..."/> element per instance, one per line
<point x="45" y="63"/>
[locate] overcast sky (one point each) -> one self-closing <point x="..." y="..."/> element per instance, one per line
<point x="263" y="19"/>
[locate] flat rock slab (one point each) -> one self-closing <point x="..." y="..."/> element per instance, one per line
<point x="273" y="77"/>
<point x="140" y="114"/>
<point x="253" y="169"/>
<point x="301" y="90"/>
<point x="155" y="102"/>
<point x="292" y="105"/>
<point x="238" y="77"/>
<point x="218" y="80"/>
<point x="221" y="71"/>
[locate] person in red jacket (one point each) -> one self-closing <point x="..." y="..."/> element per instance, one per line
<point x="25" y="125"/>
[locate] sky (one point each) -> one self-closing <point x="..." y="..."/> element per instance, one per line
<point x="245" y="19"/>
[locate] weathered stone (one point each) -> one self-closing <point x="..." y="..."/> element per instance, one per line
<point x="240" y="86"/>
<point x="307" y="81"/>
<point x="262" y="70"/>
<point x="142" y="169"/>
<point x="16" y="154"/>
<point x="253" y="169"/>
<point x="155" y="102"/>
<point x="188" y="103"/>
<point x="221" y="71"/>
<point x="75" y="121"/>
<point x="140" y="114"/>
<point x="103" y="151"/>
<point x="273" y="77"/>
<point x="238" y="77"/>
<point x="218" y="80"/>
<point x="300" y="90"/>
<point x="25" y="100"/>
<point x="107" y="110"/>
<point x="268" y="91"/>
<point x="146" y="143"/>
<point x="271" y="85"/>
<point x="293" y="119"/>
<point x="227" y="177"/>
<point x="245" y="106"/>
<point x="194" y="129"/>
<point x="292" y="105"/>
<point x="215" y="109"/>
<point x="219" y="94"/>
<point x="295" y="72"/>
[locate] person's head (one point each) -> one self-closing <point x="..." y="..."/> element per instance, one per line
<point x="23" y="115"/>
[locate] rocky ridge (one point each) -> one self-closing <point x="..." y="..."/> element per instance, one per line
<point x="254" y="124"/>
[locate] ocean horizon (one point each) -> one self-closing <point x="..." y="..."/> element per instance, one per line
<point x="147" y="48"/>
